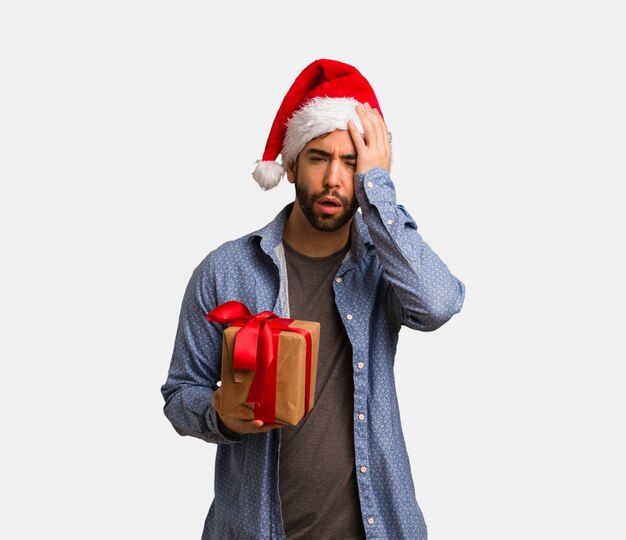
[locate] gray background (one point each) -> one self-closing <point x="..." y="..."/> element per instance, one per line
<point x="128" y="133"/>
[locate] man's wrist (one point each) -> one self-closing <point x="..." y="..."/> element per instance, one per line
<point x="213" y="418"/>
<point x="374" y="186"/>
<point x="224" y="430"/>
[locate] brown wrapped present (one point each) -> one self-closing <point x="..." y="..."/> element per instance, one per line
<point x="275" y="389"/>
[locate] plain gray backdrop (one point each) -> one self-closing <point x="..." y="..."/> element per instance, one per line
<point x="128" y="134"/>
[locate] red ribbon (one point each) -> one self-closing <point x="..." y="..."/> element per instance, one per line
<point x="256" y="349"/>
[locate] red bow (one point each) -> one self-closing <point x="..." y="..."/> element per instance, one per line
<point x="256" y="347"/>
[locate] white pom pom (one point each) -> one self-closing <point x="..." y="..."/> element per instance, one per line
<point x="268" y="173"/>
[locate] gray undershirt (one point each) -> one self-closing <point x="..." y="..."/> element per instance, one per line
<point x="317" y="471"/>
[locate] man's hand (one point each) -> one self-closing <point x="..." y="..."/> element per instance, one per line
<point x="241" y="426"/>
<point x="375" y="149"/>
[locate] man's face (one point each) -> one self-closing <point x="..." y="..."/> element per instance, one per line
<point x="324" y="180"/>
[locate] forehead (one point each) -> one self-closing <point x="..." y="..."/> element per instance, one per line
<point x="335" y="141"/>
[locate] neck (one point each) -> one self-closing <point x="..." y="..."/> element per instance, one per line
<point x="306" y="239"/>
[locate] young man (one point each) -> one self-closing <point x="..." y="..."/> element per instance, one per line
<point x="342" y="472"/>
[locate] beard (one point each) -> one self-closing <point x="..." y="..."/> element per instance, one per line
<point x="325" y="222"/>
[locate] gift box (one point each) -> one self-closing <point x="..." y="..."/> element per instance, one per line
<point x="269" y="365"/>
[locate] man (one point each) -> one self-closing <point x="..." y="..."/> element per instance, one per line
<point x="343" y="472"/>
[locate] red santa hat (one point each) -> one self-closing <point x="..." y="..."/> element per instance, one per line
<point x="321" y="99"/>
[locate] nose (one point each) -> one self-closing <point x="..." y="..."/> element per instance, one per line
<point x="332" y="178"/>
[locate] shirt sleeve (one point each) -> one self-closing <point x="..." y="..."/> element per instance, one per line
<point x="423" y="294"/>
<point x="195" y="367"/>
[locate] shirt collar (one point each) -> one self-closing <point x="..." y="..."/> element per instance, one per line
<point x="272" y="234"/>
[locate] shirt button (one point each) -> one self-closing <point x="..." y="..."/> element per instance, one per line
<point x="338" y="279"/>
<point x="361" y="417"/>
<point x="370" y="521"/>
<point x="369" y="184"/>
<point x="363" y="469"/>
<point x="349" y="317"/>
<point x="389" y="221"/>
<point x="361" y="365"/>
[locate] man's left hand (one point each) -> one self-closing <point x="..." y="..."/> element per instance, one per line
<point x="373" y="150"/>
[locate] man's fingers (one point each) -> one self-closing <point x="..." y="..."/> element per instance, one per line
<point x="237" y="424"/>
<point x="378" y="125"/>
<point x="268" y="427"/>
<point x="261" y="426"/>
<point x="374" y="149"/>
<point x="376" y="132"/>
<point x="357" y="139"/>
<point x="248" y="426"/>
<point x="215" y="400"/>
<point x="384" y="131"/>
<point x="367" y="119"/>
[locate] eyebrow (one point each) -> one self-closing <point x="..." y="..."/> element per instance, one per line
<point x="324" y="153"/>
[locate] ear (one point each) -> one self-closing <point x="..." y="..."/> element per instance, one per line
<point x="291" y="173"/>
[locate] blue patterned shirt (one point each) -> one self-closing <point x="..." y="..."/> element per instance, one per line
<point x="390" y="277"/>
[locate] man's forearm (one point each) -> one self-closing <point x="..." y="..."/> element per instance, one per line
<point x="426" y="290"/>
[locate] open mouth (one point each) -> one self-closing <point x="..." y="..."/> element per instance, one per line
<point x="329" y="202"/>
<point x="329" y="205"/>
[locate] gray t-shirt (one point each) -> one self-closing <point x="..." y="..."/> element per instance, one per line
<point x="317" y="471"/>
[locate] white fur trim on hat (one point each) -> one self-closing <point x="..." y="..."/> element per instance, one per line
<point x="316" y="117"/>
<point x="268" y="173"/>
